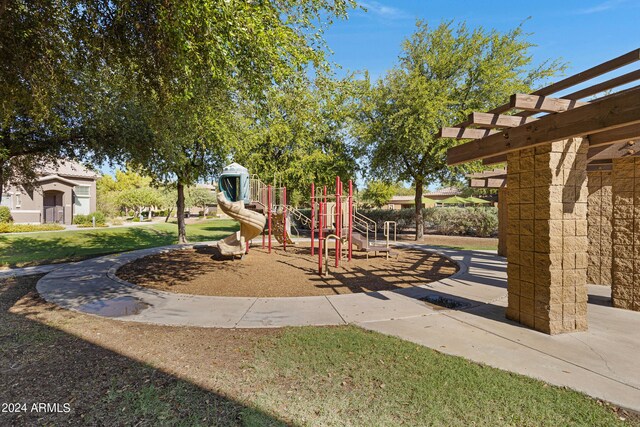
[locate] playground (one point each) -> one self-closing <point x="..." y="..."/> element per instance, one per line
<point x="203" y="271"/>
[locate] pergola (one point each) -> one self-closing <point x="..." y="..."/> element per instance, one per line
<point x="572" y="191"/>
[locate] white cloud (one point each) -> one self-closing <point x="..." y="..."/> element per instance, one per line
<point x="602" y="7"/>
<point x="383" y="11"/>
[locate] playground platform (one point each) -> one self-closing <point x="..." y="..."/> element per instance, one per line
<point x="461" y="315"/>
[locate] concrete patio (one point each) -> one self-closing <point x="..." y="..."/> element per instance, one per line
<point x="601" y="362"/>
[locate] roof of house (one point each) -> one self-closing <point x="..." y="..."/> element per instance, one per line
<point x="69" y="168"/>
<point x="446" y="191"/>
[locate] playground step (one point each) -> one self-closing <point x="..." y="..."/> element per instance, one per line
<point x="255" y="207"/>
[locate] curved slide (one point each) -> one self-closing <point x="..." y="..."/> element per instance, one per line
<point x="251" y="225"/>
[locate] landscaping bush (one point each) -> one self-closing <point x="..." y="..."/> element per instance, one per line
<point x="454" y="221"/>
<point x="87" y="220"/>
<point x="24" y="228"/>
<point x="5" y="215"/>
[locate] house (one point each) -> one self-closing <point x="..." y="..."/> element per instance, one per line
<point x="60" y="192"/>
<point x="428" y="199"/>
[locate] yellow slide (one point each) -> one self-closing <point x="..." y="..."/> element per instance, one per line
<point x="251" y="225"/>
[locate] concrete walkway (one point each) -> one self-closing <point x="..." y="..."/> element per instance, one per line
<point x="601" y="362"/>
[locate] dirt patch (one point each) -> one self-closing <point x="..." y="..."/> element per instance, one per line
<point x="202" y="271"/>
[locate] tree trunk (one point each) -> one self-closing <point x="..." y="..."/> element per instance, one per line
<point x="418" y="201"/>
<point x="182" y="231"/>
<point x="169" y="210"/>
<point x="1" y="179"/>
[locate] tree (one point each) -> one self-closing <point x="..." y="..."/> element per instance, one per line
<point x="184" y="66"/>
<point x="444" y="74"/>
<point x="378" y="193"/>
<point x="201" y="197"/>
<point x="299" y="135"/>
<point x="49" y="87"/>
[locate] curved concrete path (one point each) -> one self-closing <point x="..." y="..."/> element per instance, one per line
<point x="92" y="287"/>
<point x="601" y="362"/>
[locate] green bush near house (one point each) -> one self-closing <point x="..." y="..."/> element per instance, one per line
<point x="5" y="215"/>
<point x="26" y="228"/>
<point x="87" y="220"/>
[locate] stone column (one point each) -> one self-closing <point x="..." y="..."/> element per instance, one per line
<point x="547" y="236"/>
<point x="600" y="228"/>
<point x="503" y="221"/>
<point x="625" y="286"/>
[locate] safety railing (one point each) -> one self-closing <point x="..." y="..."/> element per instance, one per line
<point x="387" y="231"/>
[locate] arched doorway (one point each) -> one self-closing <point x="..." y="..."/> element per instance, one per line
<point x="53" y="207"/>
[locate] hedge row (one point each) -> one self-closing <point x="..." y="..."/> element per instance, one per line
<point x="25" y="228"/>
<point x="456" y="221"/>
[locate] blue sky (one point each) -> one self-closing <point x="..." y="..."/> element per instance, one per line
<point x="582" y="33"/>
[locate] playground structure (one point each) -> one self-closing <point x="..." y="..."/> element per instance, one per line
<point x="263" y="209"/>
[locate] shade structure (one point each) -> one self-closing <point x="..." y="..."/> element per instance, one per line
<point x="454" y="200"/>
<point x="477" y="201"/>
<point x="428" y="201"/>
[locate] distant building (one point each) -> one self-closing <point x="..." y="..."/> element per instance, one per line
<point x="60" y="192"/>
<point x="429" y="199"/>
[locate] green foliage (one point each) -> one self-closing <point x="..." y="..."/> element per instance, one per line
<point x="378" y="193"/>
<point x="200" y="197"/>
<point x="5" y="215"/>
<point x="445" y="73"/>
<point x="26" y="228"/>
<point x="469" y="221"/>
<point x="87" y="220"/>
<point x="298" y="135"/>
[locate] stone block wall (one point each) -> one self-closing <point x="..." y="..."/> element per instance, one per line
<point x="600" y="227"/>
<point x="547" y="236"/>
<point x="625" y="286"/>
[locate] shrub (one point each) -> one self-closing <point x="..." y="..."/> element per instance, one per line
<point x="5" y="215"/>
<point x="25" y="228"/>
<point x="87" y="220"/>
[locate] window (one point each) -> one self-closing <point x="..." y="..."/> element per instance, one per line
<point x="81" y="200"/>
<point x="82" y="191"/>
<point x="6" y="200"/>
<point x="18" y="201"/>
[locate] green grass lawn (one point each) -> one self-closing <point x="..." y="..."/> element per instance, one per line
<point x="128" y="373"/>
<point x="51" y="247"/>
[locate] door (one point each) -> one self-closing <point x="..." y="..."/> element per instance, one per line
<point x="53" y="207"/>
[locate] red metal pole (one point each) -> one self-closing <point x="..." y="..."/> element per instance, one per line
<point x="284" y="218"/>
<point x="313" y="211"/>
<point x="263" y="234"/>
<point x="337" y="221"/>
<point x="320" y="227"/>
<point x="269" y="213"/>
<point x="350" y="230"/>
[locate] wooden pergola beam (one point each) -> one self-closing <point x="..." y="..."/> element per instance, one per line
<point x="617" y="111"/>
<point x="465" y="133"/>
<point x="543" y="104"/>
<point x="606" y="85"/>
<point x="614" y="151"/>
<point x="622" y="134"/>
<point x="489" y="120"/>
<point x="593" y="72"/>
<point x="488" y="183"/>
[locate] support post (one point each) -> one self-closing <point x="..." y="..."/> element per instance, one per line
<point x="269" y="213"/>
<point x="313" y="213"/>
<point x="350" y="230"/>
<point x="337" y="221"/>
<point x="284" y="218"/>
<point x="547" y="236"/>
<point x="625" y="284"/>
<point x="320" y="232"/>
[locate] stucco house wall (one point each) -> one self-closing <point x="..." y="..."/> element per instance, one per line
<point x="69" y="188"/>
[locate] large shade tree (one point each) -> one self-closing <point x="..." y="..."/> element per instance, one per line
<point x="183" y="66"/>
<point x="444" y="74"/>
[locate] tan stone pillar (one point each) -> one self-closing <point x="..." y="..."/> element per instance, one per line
<point x="625" y="286"/>
<point x="600" y="228"/>
<point x="503" y="220"/>
<point x="547" y="236"/>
